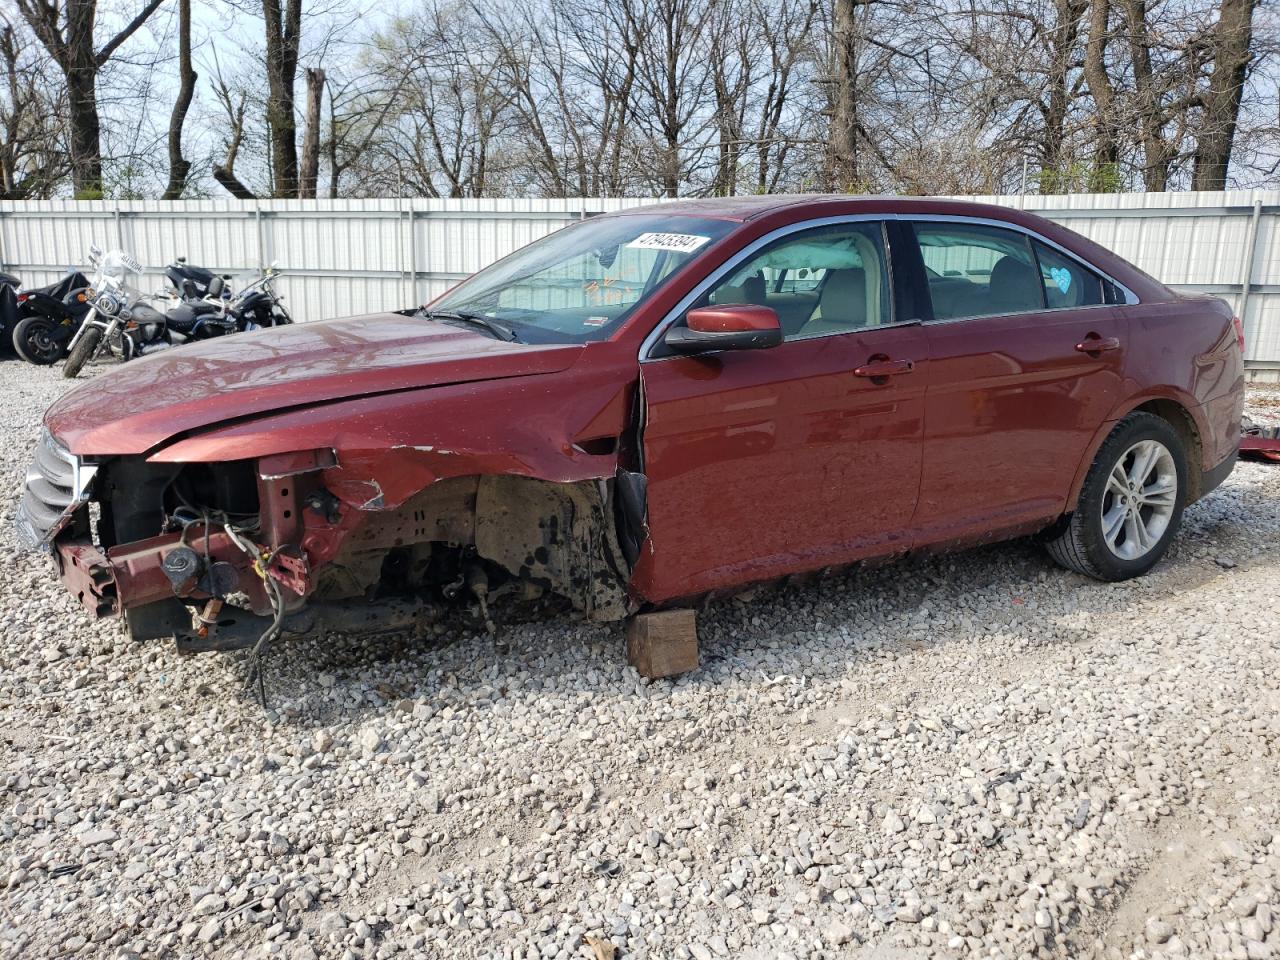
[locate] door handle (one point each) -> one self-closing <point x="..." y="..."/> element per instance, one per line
<point x="876" y="369"/>
<point x="1096" y="344"/>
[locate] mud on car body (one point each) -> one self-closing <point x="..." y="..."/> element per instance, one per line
<point x="642" y="409"/>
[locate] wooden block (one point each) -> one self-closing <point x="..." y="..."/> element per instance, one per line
<point x="663" y="644"/>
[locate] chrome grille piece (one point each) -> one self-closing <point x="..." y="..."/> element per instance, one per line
<point x="57" y="484"/>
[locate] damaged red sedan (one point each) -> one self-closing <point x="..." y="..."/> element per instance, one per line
<point x="642" y="409"/>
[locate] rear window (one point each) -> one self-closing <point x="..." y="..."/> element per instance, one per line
<point x="1067" y="283"/>
<point x="978" y="271"/>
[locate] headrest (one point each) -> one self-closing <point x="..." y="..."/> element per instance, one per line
<point x="844" y="297"/>
<point x="1014" y="284"/>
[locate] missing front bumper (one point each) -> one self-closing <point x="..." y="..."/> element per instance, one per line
<point x="57" y="484"/>
<point x="87" y="575"/>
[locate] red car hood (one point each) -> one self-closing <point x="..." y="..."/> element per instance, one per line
<point x="148" y="401"/>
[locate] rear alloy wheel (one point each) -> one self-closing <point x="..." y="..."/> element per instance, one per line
<point x="1131" y="503"/>
<point x="34" y="340"/>
<point x="1141" y="492"/>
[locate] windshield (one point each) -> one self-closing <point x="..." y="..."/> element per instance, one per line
<point x="581" y="282"/>
<point x="114" y="265"/>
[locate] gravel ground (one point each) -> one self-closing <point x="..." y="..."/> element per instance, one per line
<point x="975" y="755"/>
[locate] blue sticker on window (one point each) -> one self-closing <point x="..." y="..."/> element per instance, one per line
<point x="1061" y="277"/>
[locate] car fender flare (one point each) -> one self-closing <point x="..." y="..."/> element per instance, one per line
<point x="1185" y="401"/>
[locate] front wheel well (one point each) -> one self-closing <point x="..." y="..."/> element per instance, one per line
<point x="1178" y="417"/>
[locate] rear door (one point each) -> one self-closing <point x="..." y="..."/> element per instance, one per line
<point x="763" y="463"/>
<point x="1026" y="362"/>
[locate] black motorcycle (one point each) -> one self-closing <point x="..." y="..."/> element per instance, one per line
<point x="189" y="282"/>
<point x="43" y="320"/>
<point x="219" y="313"/>
<point x="203" y="319"/>
<point x="139" y="328"/>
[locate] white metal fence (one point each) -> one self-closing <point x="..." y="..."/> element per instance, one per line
<point x="350" y="256"/>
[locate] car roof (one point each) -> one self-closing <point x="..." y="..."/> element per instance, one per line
<point x="796" y="207"/>
<point x="750" y="207"/>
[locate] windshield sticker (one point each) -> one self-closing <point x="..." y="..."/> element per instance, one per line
<point x="677" y="242"/>
<point x="1062" y="277"/>
<point x="595" y="321"/>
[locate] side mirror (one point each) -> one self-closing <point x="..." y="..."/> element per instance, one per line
<point x="215" y="288"/>
<point x="735" y="326"/>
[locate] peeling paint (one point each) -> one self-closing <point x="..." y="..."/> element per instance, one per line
<point x="377" y="501"/>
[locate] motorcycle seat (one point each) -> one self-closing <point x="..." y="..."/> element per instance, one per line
<point x="184" y="317"/>
<point x="145" y="313"/>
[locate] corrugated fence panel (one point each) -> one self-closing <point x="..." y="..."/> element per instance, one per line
<point x="343" y="257"/>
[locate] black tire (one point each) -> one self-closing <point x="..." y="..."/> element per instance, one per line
<point x="1078" y="542"/>
<point x="33" y="340"/>
<point x="82" y="353"/>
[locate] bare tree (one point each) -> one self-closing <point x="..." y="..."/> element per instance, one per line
<point x="67" y="33"/>
<point x="1106" y="150"/>
<point x="180" y="167"/>
<point x="787" y="34"/>
<point x="33" y="158"/>
<point x="452" y="110"/>
<point x="674" y="78"/>
<point x="1230" y="44"/>
<point x="461" y="98"/>
<point x="1147" y="98"/>
<point x="283" y="19"/>
<point x="597" y="82"/>
<point x="359" y="108"/>
<point x="842" y="159"/>
<point x="233" y="104"/>
<point x="310" y="172"/>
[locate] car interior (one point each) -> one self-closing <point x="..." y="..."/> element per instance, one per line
<point x="815" y="286"/>
<point x="1012" y="286"/>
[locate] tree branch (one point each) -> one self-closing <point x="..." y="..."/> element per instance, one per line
<point x="130" y="29"/>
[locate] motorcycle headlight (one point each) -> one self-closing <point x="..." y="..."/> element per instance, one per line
<point x="107" y="304"/>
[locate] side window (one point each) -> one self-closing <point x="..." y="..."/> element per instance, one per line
<point x="1066" y="282"/>
<point x="978" y="271"/>
<point x="826" y="280"/>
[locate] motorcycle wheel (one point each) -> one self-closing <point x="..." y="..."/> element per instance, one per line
<point x="34" y="341"/>
<point x="82" y="353"/>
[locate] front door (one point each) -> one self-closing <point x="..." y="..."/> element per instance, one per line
<point x="1026" y="362"/>
<point x="769" y="462"/>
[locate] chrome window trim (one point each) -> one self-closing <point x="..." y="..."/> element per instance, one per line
<point x="660" y="328"/>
